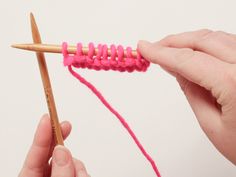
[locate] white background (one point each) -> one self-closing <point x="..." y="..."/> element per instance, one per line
<point x="152" y="102"/>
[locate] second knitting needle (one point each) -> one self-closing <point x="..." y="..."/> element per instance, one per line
<point x="47" y="85"/>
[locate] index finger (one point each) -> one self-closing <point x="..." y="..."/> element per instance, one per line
<point x="216" y="43"/>
<point x="198" y="67"/>
<point x="37" y="157"/>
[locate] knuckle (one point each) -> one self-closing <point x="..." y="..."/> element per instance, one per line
<point x="218" y="34"/>
<point x="166" y="41"/>
<point x="184" y="84"/>
<point x="32" y="169"/>
<point x="169" y="38"/>
<point x="204" y="32"/>
<point x="184" y="53"/>
<point x="203" y="35"/>
<point x="207" y="35"/>
<point x="230" y="75"/>
<point x="228" y="85"/>
<point x="183" y="56"/>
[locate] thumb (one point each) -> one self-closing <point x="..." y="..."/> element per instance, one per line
<point x="62" y="163"/>
<point x="146" y="49"/>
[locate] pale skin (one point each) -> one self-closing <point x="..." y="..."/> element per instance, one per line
<point x="42" y="149"/>
<point x="204" y="64"/>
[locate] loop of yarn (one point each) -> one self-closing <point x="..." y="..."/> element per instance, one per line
<point x="117" y="60"/>
<point x="101" y="61"/>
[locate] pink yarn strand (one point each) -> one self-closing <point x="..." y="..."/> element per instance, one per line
<point x="120" y="118"/>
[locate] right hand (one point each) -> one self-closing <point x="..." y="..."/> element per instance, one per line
<point x="204" y="64"/>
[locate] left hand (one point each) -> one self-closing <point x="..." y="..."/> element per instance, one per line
<point x="37" y="161"/>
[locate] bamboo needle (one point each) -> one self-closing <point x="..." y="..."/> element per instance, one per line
<point x="46" y="84"/>
<point x="50" y="48"/>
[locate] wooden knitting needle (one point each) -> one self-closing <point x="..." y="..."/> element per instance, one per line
<point x="46" y="84"/>
<point x="50" y="48"/>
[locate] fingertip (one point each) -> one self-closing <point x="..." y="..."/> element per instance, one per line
<point x="143" y="44"/>
<point x="38" y="153"/>
<point x="44" y="119"/>
<point x="79" y="165"/>
<point x="44" y="123"/>
<point x="43" y="133"/>
<point x="144" y="47"/>
<point x="66" y="124"/>
<point x="45" y="115"/>
<point x="82" y="174"/>
<point x="66" y="128"/>
<point x="80" y="168"/>
<point x="150" y="51"/>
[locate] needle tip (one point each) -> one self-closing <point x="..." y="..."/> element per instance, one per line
<point x="31" y="15"/>
<point x="21" y="46"/>
<point x="15" y="45"/>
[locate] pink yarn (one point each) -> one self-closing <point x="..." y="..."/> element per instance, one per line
<point x="101" y="61"/>
<point x="68" y="60"/>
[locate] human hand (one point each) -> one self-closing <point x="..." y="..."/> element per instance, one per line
<point x="62" y="164"/>
<point x="203" y="63"/>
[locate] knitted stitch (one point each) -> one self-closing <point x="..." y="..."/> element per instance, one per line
<point x="101" y="61"/>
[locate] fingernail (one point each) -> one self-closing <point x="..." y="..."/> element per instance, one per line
<point x="143" y="42"/>
<point x="65" y="124"/>
<point x="43" y="120"/>
<point x="45" y="115"/>
<point x="61" y="155"/>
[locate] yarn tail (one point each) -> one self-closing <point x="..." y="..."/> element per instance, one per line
<point x="121" y="119"/>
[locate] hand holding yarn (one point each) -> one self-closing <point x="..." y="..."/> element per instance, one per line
<point x="203" y="63"/>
